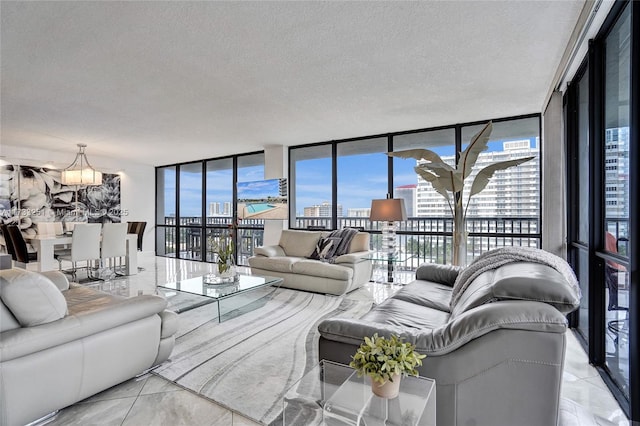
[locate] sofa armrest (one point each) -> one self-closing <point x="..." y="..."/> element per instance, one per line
<point x="531" y="316"/>
<point x="442" y="274"/>
<point x="169" y="324"/>
<point x="58" y="278"/>
<point x="269" y="251"/>
<point x="26" y="340"/>
<point x="354" y="257"/>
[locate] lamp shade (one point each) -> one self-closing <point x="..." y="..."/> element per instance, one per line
<point x="81" y="177"/>
<point x="388" y="209"/>
<point x="80" y="171"/>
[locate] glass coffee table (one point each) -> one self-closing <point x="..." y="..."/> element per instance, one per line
<point x="386" y="265"/>
<point x="333" y="394"/>
<point x="233" y="298"/>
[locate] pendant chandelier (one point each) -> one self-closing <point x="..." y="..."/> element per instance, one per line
<point x="80" y="171"/>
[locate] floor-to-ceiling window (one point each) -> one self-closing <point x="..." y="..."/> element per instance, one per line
<point x="218" y="201"/>
<point x="166" y="208"/>
<point x="361" y="176"/>
<point x="333" y="183"/>
<point x="310" y="180"/>
<point x="190" y="208"/>
<point x="615" y="162"/>
<point x="579" y="167"/>
<point x="507" y="211"/>
<point x="195" y="205"/>
<point x="602" y="112"/>
<point x="428" y="217"/>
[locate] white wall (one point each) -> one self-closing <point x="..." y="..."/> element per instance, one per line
<point x="275" y="166"/>
<point x="137" y="181"/>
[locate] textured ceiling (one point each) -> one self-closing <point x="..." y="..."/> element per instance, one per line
<point x="165" y="82"/>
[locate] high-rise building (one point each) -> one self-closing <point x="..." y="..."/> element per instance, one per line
<point x="359" y="212"/>
<point x="408" y="193"/>
<point x="282" y="187"/>
<point x="616" y="169"/>
<point x="321" y="210"/>
<point x="214" y="209"/>
<point x="226" y="211"/>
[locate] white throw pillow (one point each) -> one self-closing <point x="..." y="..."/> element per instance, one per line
<point x="32" y="298"/>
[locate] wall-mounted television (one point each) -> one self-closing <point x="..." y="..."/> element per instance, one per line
<point x="263" y="199"/>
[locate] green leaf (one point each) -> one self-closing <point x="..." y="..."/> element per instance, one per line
<point x="482" y="178"/>
<point x="469" y="156"/>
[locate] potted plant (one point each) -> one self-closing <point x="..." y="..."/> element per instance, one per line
<point x="223" y="247"/>
<point x="386" y="361"/>
<point x="449" y="181"/>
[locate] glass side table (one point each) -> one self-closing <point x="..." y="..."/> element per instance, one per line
<point x="332" y="394"/>
<point x="385" y="265"/>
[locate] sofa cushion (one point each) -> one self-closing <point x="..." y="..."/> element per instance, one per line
<point x="426" y="293"/>
<point x="269" y="251"/>
<point x="360" y="242"/>
<point x="279" y="264"/>
<point x="444" y="274"/>
<point x="519" y="281"/>
<point x="31" y="297"/>
<point x="405" y="314"/>
<point x="298" y="243"/>
<point x="322" y="269"/>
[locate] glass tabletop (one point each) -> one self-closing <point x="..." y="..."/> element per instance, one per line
<point x="389" y="257"/>
<point x="200" y="286"/>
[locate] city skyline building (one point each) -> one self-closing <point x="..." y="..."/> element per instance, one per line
<point x="359" y="212"/>
<point x="409" y="194"/>
<point x="219" y="209"/>
<point x="321" y="210"/>
<point x="616" y="169"/>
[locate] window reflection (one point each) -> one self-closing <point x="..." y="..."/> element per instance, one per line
<point x="616" y="196"/>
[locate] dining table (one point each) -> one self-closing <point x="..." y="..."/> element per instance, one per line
<point x="44" y="245"/>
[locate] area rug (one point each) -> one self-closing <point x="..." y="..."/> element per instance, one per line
<point x="249" y="362"/>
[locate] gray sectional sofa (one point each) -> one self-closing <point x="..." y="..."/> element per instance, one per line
<point x="61" y="343"/>
<point x="495" y="348"/>
<point x="290" y="260"/>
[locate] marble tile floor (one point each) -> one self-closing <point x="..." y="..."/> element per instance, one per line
<point x="151" y="400"/>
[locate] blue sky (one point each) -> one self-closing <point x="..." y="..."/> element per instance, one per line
<point x="361" y="178"/>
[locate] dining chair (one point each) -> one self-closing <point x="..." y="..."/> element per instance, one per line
<point x="45" y="229"/>
<point x="23" y="255"/>
<point x="137" y="228"/>
<point x="85" y="247"/>
<point x="58" y="228"/>
<point x="131" y="227"/>
<point x="114" y="243"/>
<point x="11" y="251"/>
<point x="69" y="226"/>
<point x="52" y="229"/>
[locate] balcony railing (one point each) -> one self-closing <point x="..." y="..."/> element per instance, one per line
<point x="429" y="239"/>
<point x="421" y="239"/>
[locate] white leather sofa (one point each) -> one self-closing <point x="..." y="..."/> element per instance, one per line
<point x="61" y="343"/>
<point x="290" y="261"/>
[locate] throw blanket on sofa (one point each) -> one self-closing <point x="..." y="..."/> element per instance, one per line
<point x="495" y="258"/>
<point x="345" y="235"/>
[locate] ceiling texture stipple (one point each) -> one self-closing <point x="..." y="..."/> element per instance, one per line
<point x="166" y="82"/>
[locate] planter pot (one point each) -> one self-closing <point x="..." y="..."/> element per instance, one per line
<point x="387" y="390"/>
